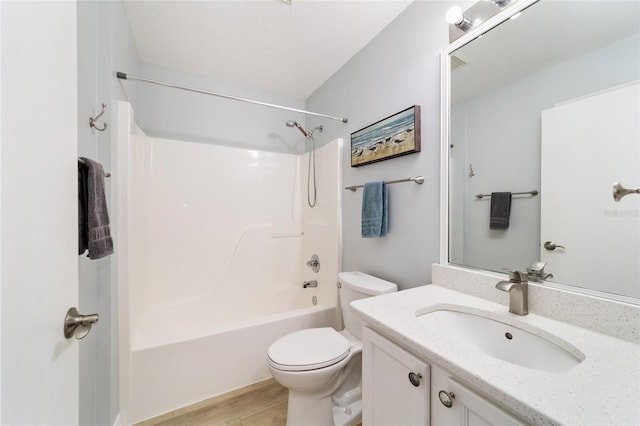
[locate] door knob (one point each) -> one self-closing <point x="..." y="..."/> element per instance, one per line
<point x="620" y="191"/>
<point x="78" y="325"/>
<point x="550" y="245"/>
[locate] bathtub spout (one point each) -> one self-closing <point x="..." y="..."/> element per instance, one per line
<point x="312" y="283"/>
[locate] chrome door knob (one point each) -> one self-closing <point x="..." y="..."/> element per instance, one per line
<point x="620" y="191"/>
<point x="550" y="245"/>
<point x="78" y="325"/>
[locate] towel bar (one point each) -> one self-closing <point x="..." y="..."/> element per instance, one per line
<point x="106" y="174"/>
<point x="418" y="179"/>
<point x="532" y="193"/>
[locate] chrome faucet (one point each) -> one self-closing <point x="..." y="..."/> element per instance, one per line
<point x="536" y="272"/>
<point x="312" y="283"/>
<point x="518" y="289"/>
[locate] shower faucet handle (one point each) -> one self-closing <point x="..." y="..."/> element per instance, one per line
<point x="314" y="263"/>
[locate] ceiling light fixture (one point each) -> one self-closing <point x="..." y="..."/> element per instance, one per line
<point x="456" y="17"/>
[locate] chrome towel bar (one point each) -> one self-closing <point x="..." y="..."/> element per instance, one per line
<point x="106" y="174"/>
<point x="532" y="193"/>
<point x="418" y="179"/>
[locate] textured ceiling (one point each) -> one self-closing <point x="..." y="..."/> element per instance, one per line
<point x="265" y="44"/>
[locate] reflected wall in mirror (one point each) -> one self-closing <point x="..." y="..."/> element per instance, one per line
<point x="550" y="102"/>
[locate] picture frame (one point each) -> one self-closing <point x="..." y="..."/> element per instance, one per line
<point x="391" y="137"/>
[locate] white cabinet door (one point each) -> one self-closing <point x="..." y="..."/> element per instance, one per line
<point x="388" y="395"/>
<point x="473" y="410"/>
<point x="440" y="414"/>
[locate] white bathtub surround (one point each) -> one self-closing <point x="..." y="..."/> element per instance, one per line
<point x="603" y="389"/>
<point x="212" y="245"/>
<point x="615" y="318"/>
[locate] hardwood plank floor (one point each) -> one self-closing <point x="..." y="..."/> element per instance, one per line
<point x="263" y="403"/>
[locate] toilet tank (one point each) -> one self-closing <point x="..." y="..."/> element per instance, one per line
<point x="358" y="285"/>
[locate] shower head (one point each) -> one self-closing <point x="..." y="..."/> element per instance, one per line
<point x="292" y="123"/>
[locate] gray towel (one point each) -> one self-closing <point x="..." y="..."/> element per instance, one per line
<point x="500" y="210"/>
<point x="94" y="233"/>
<point x="375" y="208"/>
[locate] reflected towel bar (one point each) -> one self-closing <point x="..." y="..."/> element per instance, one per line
<point x="106" y="174"/>
<point x="532" y="193"/>
<point x="418" y="179"/>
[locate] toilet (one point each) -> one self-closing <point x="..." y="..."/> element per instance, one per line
<point x="321" y="367"/>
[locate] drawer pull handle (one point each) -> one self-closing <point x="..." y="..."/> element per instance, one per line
<point x="446" y="398"/>
<point x="415" y="378"/>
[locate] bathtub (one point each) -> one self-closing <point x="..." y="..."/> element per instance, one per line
<point x="177" y="374"/>
<point x="212" y="244"/>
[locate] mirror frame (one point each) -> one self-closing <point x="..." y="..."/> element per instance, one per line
<point x="445" y="79"/>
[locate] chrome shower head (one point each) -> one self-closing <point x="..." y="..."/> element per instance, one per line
<point x="292" y="123"/>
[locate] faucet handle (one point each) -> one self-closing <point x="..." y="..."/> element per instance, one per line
<point x="518" y="277"/>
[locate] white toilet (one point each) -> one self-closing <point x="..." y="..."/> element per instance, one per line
<point x="322" y="368"/>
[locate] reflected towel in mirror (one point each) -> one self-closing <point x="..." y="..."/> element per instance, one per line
<point x="500" y="210"/>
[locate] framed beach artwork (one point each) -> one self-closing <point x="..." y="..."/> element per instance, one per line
<point x="390" y="137"/>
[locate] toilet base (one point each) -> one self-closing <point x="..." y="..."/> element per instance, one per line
<point x="349" y="415"/>
<point x="309" y="409"/>
<point x="314" y="410"/>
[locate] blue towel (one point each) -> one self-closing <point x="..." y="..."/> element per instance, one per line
<point x="375" y="208"/>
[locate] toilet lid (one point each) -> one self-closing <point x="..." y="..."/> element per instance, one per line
<point x="309" y="349"/>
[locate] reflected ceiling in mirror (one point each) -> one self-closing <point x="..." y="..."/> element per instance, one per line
<point x="549" y="102"/>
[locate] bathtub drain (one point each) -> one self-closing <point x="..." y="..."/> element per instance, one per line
<point x="314" y="300"/>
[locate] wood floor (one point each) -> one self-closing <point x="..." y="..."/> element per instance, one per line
<point x="261" y="404"/>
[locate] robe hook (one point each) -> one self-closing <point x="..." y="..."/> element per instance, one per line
<point x="92" y="120"/>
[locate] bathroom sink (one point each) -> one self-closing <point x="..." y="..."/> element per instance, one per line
<point x="500" y="340"/>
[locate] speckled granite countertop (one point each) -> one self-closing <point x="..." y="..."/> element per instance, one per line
<point x="603" y="389"/>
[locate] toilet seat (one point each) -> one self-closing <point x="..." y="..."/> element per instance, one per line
<point x="308" y="349"/>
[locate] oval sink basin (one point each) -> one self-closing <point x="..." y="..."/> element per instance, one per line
<point x="500" y="340"/>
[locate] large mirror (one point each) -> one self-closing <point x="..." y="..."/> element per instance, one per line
<point x="546" y="107"/>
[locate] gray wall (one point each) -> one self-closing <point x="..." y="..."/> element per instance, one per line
<point x="104" y="45"/>
<point x="399" y="68"/>
<point x="88" y="104"/>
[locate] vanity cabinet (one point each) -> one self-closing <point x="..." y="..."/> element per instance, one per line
<point x="452" y="403"/>
<point x="395" y="384"/>
<point x="431" y="396"/>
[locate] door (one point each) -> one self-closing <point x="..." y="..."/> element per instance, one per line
<point x="600" y="238"/>
<point x="38" y="202"/>
<point x="395" y="384"/>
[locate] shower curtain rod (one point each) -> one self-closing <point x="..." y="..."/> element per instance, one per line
<point x="125" y="76"/>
